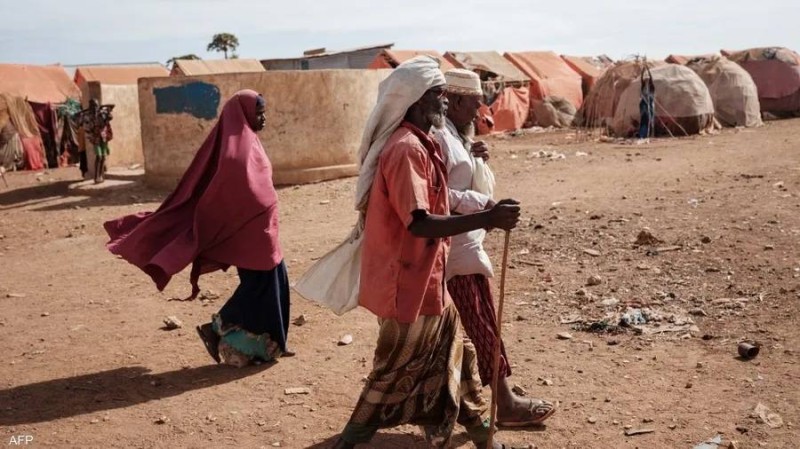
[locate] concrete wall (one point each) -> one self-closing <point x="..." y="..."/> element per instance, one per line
<point x="314" y="120"/>
<point x="126" y="146"/>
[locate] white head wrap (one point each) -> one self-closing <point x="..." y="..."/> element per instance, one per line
<point x="404" y="87"/>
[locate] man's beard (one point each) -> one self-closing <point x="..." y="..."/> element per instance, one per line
<point x="437" y="119"/>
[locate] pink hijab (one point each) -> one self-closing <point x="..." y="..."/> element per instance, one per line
<point x="223" y="212"/>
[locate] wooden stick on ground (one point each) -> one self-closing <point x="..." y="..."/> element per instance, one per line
<point x="3" y="175"/>
<point x="499" y="327"/>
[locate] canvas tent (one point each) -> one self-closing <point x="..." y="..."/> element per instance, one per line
<point x="31" y="94"/>
<point x="590" y="68"/>
<point x="39" y="84"/>
<point x="732" y="89"/>
<point x="505" y="87"/>
<point x="601" y="102"/>
<point x="550" y="76"/>
<point x="389" y="59"/>
<point x="683" y="104"/>
<point x="776" y="73"/>
<point x="194" y="67"/>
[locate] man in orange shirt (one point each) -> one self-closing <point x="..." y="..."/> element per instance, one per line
<point x="424" y="373"/>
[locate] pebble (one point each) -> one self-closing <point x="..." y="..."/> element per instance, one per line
<point x="582" y="293"/>
<point x="769" y="247"/>
<point x="673" y="426"/>
<point x="301" y="320"/>
<point x="647" y="420"/>
<point x="346" y="340"/>
<point x="45" y="314"/>
<point x="592" y="420"/>
<point x="705" y="239"/>
<point x="592" y="252"/>
<point x="689" y="384"/>
<point x="172" y="323"/>
<point x="519" y="391"/>
<point x="162" y="420"/>
<point x="594" y="280"/>
<point x="296" y="390"/>
<point x="15" y="295"/>
<point x="564" y="336"/>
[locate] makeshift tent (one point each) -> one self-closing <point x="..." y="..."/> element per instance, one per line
<point x="389" y="59"/>
<point x="122" y="74"/>
<point x="37" y="90"/>
<point x="505" y="87"/>
<point x="40" y="84"/>
<point x="21" y="133"/>
<point x="550" y="76"/>
<point x="554" y="111"/>
<point x="732" y="89"/>
<point x="194" y="67"/>
<point x="601" y="102"/>
<point x="684" y="59"/>
<point x="590" y="68"/>
<point x="683" y="104"/>
<point x="776" y="73"/>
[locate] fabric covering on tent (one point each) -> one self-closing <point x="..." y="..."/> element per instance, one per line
<point x="486" y="64"/>
<point x="683" y="104"/>
<point x="732" y="89"/>
<point x="389" y="59"/>
<point x="550" y="76"/>
<point x="40" y="84"/>
<point x="510" y="108"/>
<point x="590" y="68"/>
<point x="776" y="73"/>
<point x="554" y="111"/>
<point x="601" y="102"/>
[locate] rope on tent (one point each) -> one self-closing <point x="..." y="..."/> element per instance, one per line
<point x="685" y="134"/>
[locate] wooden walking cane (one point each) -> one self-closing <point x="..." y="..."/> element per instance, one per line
<point x="499" y="328"/>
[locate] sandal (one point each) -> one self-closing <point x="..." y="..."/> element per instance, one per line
<point x="210" y="340"/>
<point x="538" y="411"/>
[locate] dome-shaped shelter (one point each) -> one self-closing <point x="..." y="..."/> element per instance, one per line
<point x="732" y="89"/>
<point x="776" y="72"/>
<point x="601" y="102"/>
<point x="683" y="104"/>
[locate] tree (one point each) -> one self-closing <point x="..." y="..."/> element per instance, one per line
<point x="191" y="56"/>
<point x="223" y="42"/>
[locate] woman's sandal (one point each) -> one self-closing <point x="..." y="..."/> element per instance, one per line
<point x="538" y="411"/>
<point x="210" y="340"/>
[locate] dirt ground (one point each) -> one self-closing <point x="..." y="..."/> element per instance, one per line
<point x="87" y="363"/>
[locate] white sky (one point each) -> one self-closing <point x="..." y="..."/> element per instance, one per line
<point x="107" y="31"/>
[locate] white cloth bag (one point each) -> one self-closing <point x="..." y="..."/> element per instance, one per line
<point x="334" y="280"/>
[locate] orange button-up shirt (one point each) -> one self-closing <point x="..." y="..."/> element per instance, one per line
<point x="402" y="276"/>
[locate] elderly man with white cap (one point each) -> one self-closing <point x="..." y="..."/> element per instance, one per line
<point x="423" y="372"/>
<point x="471" y="185"/>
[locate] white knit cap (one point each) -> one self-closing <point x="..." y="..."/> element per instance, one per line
<point x="463" y="82"/>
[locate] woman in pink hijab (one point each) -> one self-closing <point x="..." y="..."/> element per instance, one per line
<point x="223" y="213"/>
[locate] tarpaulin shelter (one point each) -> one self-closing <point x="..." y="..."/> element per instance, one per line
<point x="732" y="89"/>
<point x="550" y="76"/>
<point x="685" y="59"/>
<point x="194" y="67"/>
<point x="389" y="59"/>
<point x="590" y="68"/>
<point x="31" y="93"/>
<point x="505" y="87"/>
<point x="776" y="72"/>
<point x="601" y="102"/>
<point x="683" y="104"/>
<point x="39" y="84"/>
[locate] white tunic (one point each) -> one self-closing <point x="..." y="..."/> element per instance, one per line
<point x="467" y="255"/>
